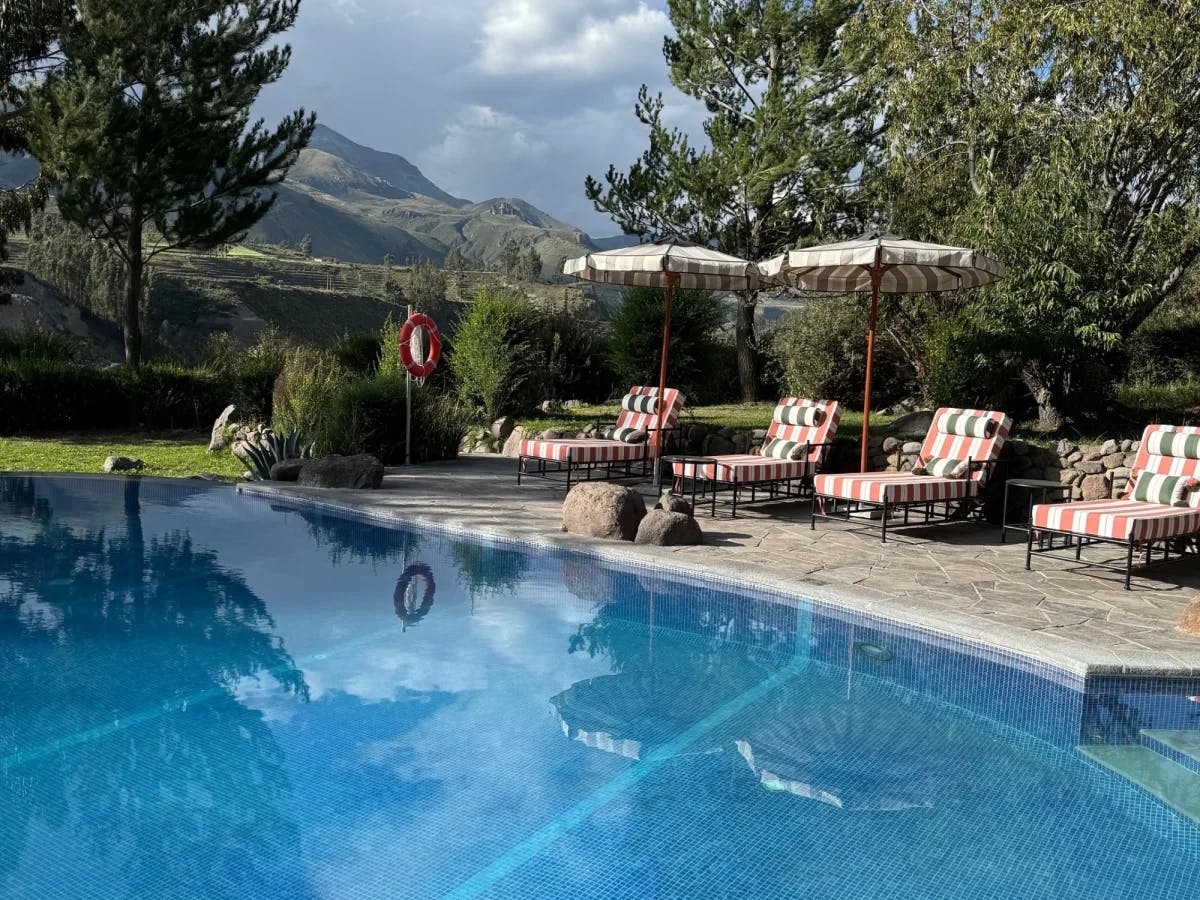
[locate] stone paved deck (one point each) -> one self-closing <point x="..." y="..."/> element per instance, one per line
<point x="956" y="579"/>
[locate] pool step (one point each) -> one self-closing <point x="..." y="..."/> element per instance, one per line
<point x="1184" y="744"/>
<point x="1175" y="785"/>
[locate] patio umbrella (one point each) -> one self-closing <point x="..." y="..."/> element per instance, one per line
<point x="667" y="266"/>
<point x="881" y="263"/>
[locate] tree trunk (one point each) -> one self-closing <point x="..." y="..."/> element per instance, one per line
<point x="1050" y="418"/>
<point x="133" y="295"/>
<point x="747" y="353"/>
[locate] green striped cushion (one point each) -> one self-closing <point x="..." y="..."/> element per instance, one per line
<point x="629" y="435"/>
<point x="943" y="468"/>
<point x="810" y="416"/>
<point x="967" y="426"/>
<point x="1170" y="442"/>
<point x="777" y="448"/>
<point x="1169" y="490"/>
<point x="640" y="403"/>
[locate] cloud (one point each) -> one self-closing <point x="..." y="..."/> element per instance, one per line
<point x="570" y="38"/>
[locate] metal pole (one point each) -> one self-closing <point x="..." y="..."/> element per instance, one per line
<point x="668" y="294"/>
<point x="876" y="278"/>
<point x="408" y="410"/>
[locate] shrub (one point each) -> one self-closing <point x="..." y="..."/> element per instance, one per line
<point x="497" y="360"/>
<point x="249" y="374"/>
<point x="636" y="339"/>
<point x="1166" y="348"/>
<point x="820" y="350"/>
<point x="34" y="344"/>
<point x="965" y="366"/>
<point x="172" y="396"/>
<point x="358" y="353"/>
<point x="367" y="415"/>
<point x="305" y="389"/>
<point x="578" y="364"/>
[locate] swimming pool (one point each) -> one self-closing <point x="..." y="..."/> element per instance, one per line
<point x="206" y="694"/>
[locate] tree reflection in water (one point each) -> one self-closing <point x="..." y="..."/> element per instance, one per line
<point x="105" y="626"/>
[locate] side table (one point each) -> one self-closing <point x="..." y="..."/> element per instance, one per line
<point x="705" y="484"/>
<point x="1045" y="489"/>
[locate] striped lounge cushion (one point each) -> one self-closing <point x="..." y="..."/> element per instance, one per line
<point x="894" y="487"/>
<point x="1170" y="442"/>
<point x="1117" y="519"/>
<point x="584" y="451"/>
<point x="802" y="414"/>
<point x="778" y="448"/>
<point x="967" y="425"/>
<point x="746" y="468"/>
<point x="943" y="468"/>
<point x="1167" y="490"/>
<point x="629" y="435"/>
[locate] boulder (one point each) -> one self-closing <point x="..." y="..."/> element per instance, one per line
<point x="890" y="444"/>
<point x="503" y="427"/>
<point x="1066" y="448"/>
<point x="603" y="510"/>
<point x="512" y="445"/>
<point x="357" y="472"/>
<point x="913" y="423"/>
<point x="288" y="469"/>
<point x="1093" y="454"/>
<point x="911" y="447"/>
<point x="1073" y="457"/>
<point x="551" y="406"/>
<point x="216" y="441"/>
<point x="572" y="404"/>
<point x="740" y="443"/>
<point x="671" y="503"/>
<point x="123" y="464"/>
<point x="1090" y="467"/>
<point x="669" y="529"/>
<point x="716" y="445"/>
<point x="1189" y="622"/>
<point x="758" y="435"/>
<point x="1125" y="445"/>
<point x="1096" y="487"/>
<point x="1114" y="460"/>
<point x="1110" y="446"/>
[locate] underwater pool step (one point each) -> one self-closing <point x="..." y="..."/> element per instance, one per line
<point x="1185" y="743"/>
<point x="1175" y="785"/>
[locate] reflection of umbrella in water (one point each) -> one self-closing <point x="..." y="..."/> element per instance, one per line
<point x="404" y="598"/>
<point x="875" y="752"/>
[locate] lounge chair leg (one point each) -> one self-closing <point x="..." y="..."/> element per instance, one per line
<point x="883" y="525"/>
<point x="520" y="466"/>
<point x="1129" y="564"/>
<point x="733" y="508"/>
<point x="1029" y="548"/>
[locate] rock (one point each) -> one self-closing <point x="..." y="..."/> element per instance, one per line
<point x="1125" y="445"/>
<point x="672" y="503"/>
<point x="1065" y="476"/>
<point x="503" y="427"/>
<point x="1122" y="472"/>
<point x="209" y="476"/>
<point x="553" y="434"/>
<point x="1113" y="460"/>
<point x="590" y="431"/>
<point x="716" y="445"/>
<point x="1096" y="487"/>
<point x="572" y="404"/>
<point x="1130" y="459"/>
<point x="603" y="510"/>
<point x="1073" y="457"/>
<point x="913" y="423"/>
<point x="1090" y="467"/>
<point x="740" y="443"/>
<point x="1135" y="446"/>
<point x="123" y="464"/>
<point x="1019" y="448"/>
<point x="1109" y="446"/>
<point x="512" y="446"/>
<point x="1092" y="455"/>
<point x="551" y="406"/>
<point x="758" y="435"/>
<point x="1189" y="622"/>
<point x="216" y="442"/>
<point x="288" y="469"/>
<point x="911" y="447"/>
<point x="669" y="529"/>
<point x="890" y="444"/>
<point x="357" y="472"/>
<point x="727" y="433"/>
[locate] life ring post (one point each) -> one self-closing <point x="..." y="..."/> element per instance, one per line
<point x="413" y="367"/>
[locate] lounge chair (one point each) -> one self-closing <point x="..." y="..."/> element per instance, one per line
<point x="627" y="452"/>
<point x="797" y="442"/>
<point x="1160" y="509"/>
<point x="955" y="462"/>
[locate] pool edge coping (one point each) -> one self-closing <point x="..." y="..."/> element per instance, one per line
<point x="1062" y="654"/>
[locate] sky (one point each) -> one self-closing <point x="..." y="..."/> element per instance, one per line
<point x="490" y="98"/>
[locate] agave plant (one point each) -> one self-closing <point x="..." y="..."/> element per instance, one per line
<point x="262" y="452"/>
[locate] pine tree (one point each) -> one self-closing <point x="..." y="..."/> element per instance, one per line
<point x="146" y="128"/>
<point x="531" y="265"/>
<point x="787" y="131"/>
<point x="509" y="261"/>
<point x="304" y="245"/>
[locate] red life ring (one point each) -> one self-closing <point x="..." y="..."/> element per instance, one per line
<point x="407" y="614"/>
<point x="425" y="367"/>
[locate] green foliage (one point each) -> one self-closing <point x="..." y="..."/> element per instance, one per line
<point x="1166" y="348"/>
<point x="261" y="453"/>
<point x="1176" y="402"/>
<point x="165" y="455"/>
<point x="497" y="361"/>
<point x="306" y="388"/>
<point x="146" y="128"/>
<point x="367" y="415"/>
<point x="964" y="366"/>
<point x="636" y="339"/>
<point x="358" y="352"/>
<point x="819" y="351"/>
<point x="578" y="364"/>
<point x="84" y="269"/>
<point x="41" y="345"/>
<point x="249" y="374"/>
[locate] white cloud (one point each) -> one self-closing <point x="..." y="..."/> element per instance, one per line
<point x="570" y="38"/>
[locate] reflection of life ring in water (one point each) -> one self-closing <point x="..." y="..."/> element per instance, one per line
<point x="404" y="598"/>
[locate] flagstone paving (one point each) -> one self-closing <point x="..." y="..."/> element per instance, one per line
<point x="957" y="579"/>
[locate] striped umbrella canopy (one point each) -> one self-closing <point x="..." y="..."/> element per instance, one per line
<point x="881" y="263"/>
<point x="668" y="266"/>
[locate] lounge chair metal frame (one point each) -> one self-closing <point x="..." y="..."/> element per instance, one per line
<point x="563" y="469"/>
<point x="1180" y="545"/>
<point x="954" y="511"/>
<point x="778" y="490"/>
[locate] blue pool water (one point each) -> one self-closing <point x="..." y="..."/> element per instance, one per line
<point x="211" y="695"/>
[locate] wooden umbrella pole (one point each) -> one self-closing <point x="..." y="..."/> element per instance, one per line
<point x="668" y="296"/>
<point x="876" y="279"/>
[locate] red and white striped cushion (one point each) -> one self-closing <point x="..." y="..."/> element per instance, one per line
<point x="583" y="451"/>
<point x="745" y="468"/>
<point x="894" y="487"/>
<point x="648" y="422"/>
<point x="1117" y="519"/>
<point x="940" y="445"/>
<point x="807" y="434"/>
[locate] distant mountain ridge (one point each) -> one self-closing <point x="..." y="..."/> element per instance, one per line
<point x="361" y="205"/>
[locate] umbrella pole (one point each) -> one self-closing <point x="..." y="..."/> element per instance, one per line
<point x="876" y="278"/>
<point x="668" y="296"/>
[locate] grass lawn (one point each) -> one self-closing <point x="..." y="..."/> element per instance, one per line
<point x="172" y="454"/>
<point x="739" y="416"/>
